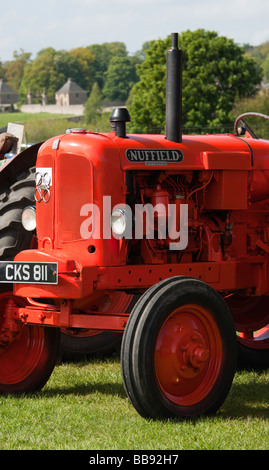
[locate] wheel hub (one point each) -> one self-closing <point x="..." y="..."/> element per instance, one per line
<point x="192" y="353"/>
<point x="187" y="352"/>
<point x="195" y="355"/>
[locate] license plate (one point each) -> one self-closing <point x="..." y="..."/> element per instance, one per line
<point x="28" y="273"/>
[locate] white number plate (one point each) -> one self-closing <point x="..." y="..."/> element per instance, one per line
<point x="28" y="273"/>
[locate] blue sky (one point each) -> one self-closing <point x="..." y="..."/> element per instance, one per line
<point x="33" y="25"/>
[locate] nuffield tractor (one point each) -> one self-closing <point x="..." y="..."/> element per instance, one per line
<point x="160" y="239"/>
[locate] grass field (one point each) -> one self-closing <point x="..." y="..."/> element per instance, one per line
<point x="20" y="118"/>
<point x="84" y="407"/>
<point x="39" y="127"/>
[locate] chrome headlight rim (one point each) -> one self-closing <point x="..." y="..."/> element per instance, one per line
<point x="28" y="218"/>
<point x="118" y="222"/>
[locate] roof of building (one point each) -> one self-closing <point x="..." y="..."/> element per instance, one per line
<point x="70" y="87"/>
<point x="6" y="89"/>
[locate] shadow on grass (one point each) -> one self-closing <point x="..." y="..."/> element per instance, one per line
<point x="248" y="399"/>
<point x="110" y="389"/>
<point x="87" y="388"/>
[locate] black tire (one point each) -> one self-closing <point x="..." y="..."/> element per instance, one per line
<point x="77" y="344"/>
<point x="99" y="344"/>
<point x="142" y="349"/>
<point x="250" y="314"/>
<point x="127" y="345"/>
<point x="13" y="237"/>
<point x="249" y="358"/>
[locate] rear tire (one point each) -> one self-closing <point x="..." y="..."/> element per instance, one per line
<point x="13" y="237"/>
<point x="253" y="350"/>
<point x="251" y="319"/>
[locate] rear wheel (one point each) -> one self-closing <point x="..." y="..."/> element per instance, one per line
<point x="251" y="318"/>
<point x="13" y="237"/>
<point x="26" y="361"/>
<point x="179" y="350"/>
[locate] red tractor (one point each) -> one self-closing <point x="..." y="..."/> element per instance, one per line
<point x="171" y="227"/>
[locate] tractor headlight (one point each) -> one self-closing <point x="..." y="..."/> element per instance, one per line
<point x="28" y="218"/>
<point x="118" y="222"/>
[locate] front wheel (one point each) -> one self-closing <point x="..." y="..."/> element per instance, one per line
<point x="179" y="350"/>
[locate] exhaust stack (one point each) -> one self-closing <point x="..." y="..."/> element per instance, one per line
<point x="174" y="91"/>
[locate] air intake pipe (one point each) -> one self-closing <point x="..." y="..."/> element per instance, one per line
<point x="174" y="91"/>
<point x="118" y="119"/>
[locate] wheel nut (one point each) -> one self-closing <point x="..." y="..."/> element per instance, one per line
<point x="199" y="356"/>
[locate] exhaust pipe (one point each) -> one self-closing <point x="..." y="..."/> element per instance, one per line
<point x="174" y="91"/>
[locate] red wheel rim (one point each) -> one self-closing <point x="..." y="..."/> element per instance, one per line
<point x="188" y="355"/>
<point x="19" y="358"/>
<point x="255" y="339"/>
<point x="250" y="315"/>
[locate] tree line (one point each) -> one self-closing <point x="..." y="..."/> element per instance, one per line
<point x="107" y="64"/>
<point x="219" y="78"/>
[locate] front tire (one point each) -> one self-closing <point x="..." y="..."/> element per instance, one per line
<point x="179" y="350"/>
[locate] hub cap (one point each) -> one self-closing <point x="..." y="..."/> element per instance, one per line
<point x="188" y="355"/>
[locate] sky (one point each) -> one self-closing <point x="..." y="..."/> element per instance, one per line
<point x="33" y="25"/>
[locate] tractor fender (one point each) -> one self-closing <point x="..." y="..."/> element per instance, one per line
<point x="23" y="160"/>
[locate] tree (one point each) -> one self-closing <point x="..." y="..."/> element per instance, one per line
<point x="261" y="55"/>
<point x="265" y="66"/>
<point x="84" y="67"/>
<point x="92" y="108"/>
<point x="119" y="78"/>
<point x="14" y="69"/>
<point x="103" y="53"/>
<point x="50" y="70"/>
<point x="216" y="72"/>
<point x="147" y="97"/>
<point x="42" y="73"/>
<point x="2" y="70"/>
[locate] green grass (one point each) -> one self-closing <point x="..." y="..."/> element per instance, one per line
<point x="39" y="127"/>
<point x="21" y="118"/>
<point x="84" y="407"/>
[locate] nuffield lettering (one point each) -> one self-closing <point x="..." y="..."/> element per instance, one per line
<point x="151" y="156"/>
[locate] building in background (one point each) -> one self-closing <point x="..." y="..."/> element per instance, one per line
<point x="8" y="96"/>
<point x="70" y="94"/>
